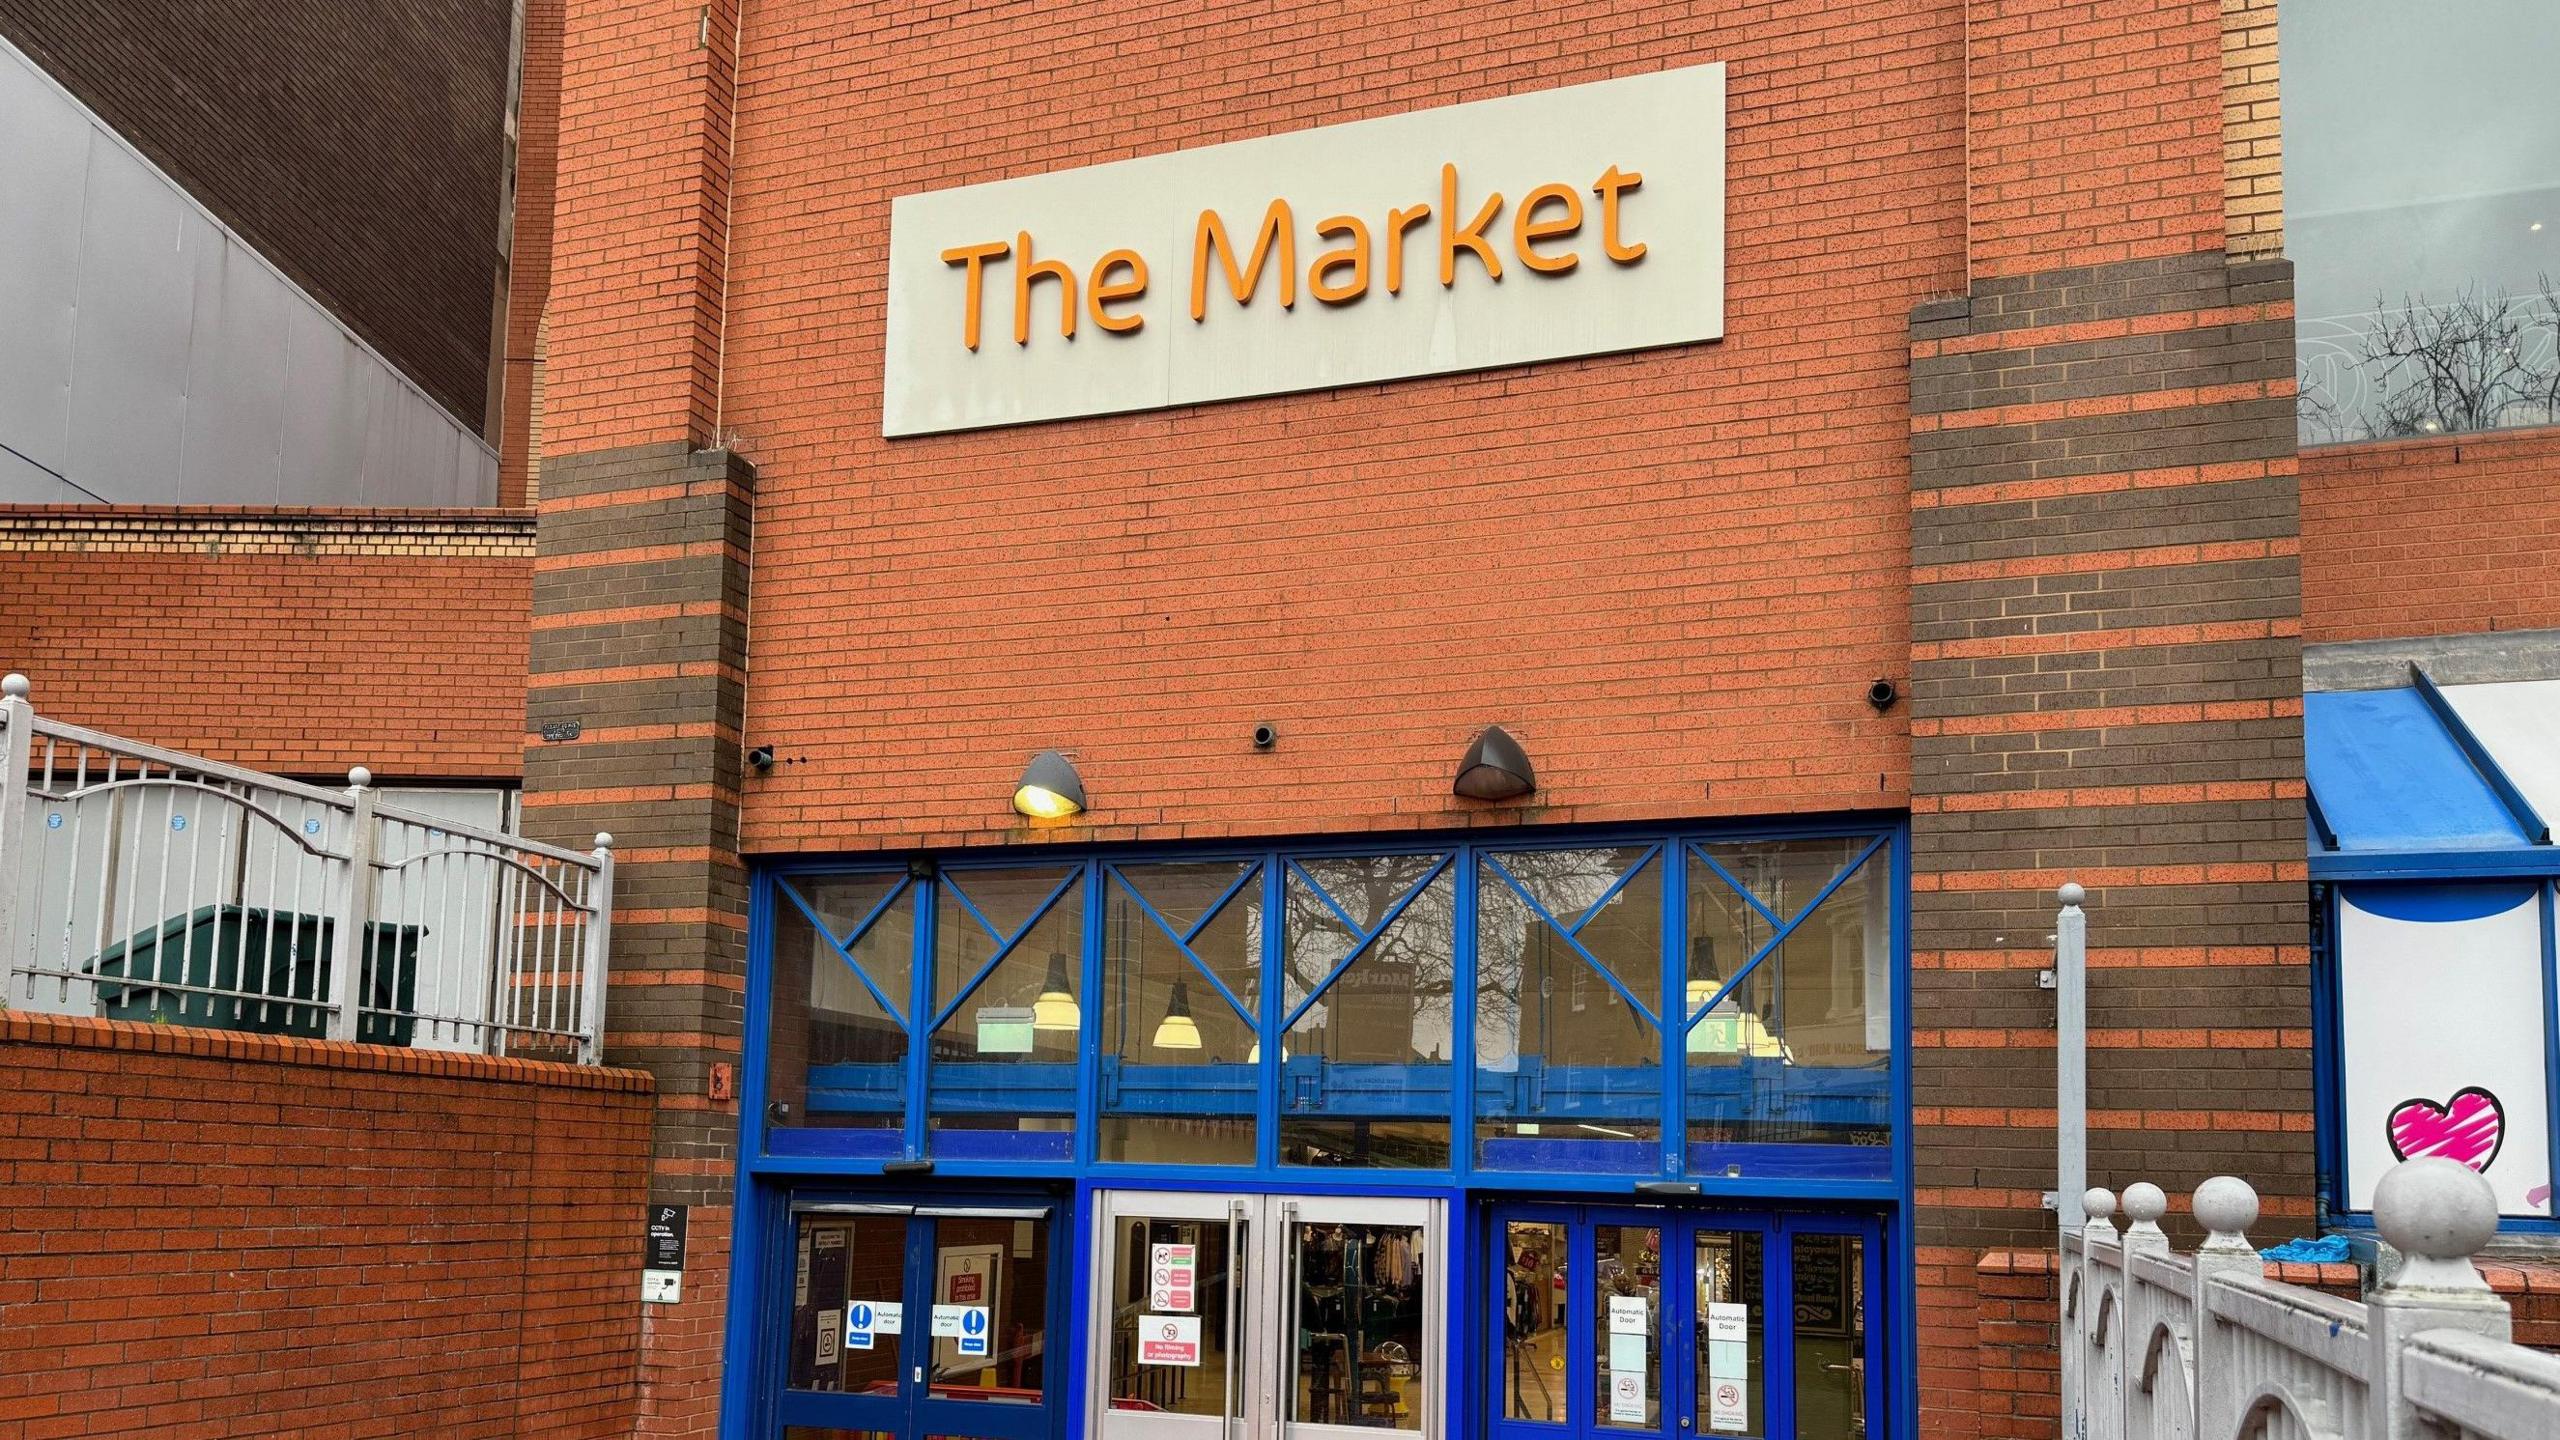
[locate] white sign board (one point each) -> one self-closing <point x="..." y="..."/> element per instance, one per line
<point x="1728" y="1404"/>
<point x="2440" y="1022"/>
<point x="1168" y="1339"/>
<point x="1728" y="1366"/>
<point x="1171" y="1274"/>
<point x="1626" y="1395"/>
<point x="661" y="1287"/>
<point x="1627" y="1314"/>
<point x="864" y="1319"/>
<point x="1574" y="221"/>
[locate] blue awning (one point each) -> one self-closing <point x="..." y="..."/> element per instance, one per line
<point x="2404" y="772"/>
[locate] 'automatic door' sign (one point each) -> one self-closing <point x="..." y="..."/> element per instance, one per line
<point x="1563" y="222"/>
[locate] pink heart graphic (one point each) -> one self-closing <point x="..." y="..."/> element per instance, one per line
<point x="2470" y="1127"/>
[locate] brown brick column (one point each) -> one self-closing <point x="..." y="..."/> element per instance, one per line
<point x="639" y="614"/>
<point x="639" y="634"/>
<point x="2106" y="687"/>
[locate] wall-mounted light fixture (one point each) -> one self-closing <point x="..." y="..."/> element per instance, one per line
<point x="1049" y="789"/>
<point x="1495" y="768"/>
<point x="1056" y="1009"/>
<point x="1178" y="1031"/>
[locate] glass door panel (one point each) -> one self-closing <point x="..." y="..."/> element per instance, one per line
<point x="989" y="1320"/>
<point x="1532" y="1365"/>
<point x="1627" y="1323"/>
<point x="1730" y="1325"/>
<point x="1620" y="1321"/>
<point x="1359" y="1286"/>
<point x="1828" y="1293"/>
<point x="1175" y="1312"/>
<point x="848" y="1293"/>
<point x="1251" y="1317"/>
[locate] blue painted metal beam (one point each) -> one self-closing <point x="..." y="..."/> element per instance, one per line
<point x="2535" y="828"/>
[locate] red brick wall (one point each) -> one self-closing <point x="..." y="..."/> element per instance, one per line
<point x="212" y="1235"/>
<point x="301" y="642"/>
<point x="1672" y="574"/>
<point x="2096" y="132"/>
<point x="2449" y="536"/>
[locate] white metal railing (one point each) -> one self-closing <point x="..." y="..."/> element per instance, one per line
<point x="2204" y="1347"/>
<point x="146" y="884"/>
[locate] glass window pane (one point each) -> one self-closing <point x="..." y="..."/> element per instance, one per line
<point x="1533" y="1321"/>
<point x="1138" y="1383"/>
<point x="2422" y="214"/>
<point x="1732" y="1338"/>
<point x="1799" y="1052"/>
<point x="1179" y="1061"/>
<point x="1627" y="1321"/>
<point x="837" y="1055"/>
<point x="1365" y="1069"/>
<point x="842" y="1264"/>
<point x="999" y="1267"/>
<point x="1568" y="1071"/>
<point x="1831" y="1334"/>
<point x="1005" y="1059"/>
<point x="1358" y="1360"/>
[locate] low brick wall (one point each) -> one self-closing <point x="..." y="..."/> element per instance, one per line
<point x="217" y="1235"/>
<point x="2018" y="1329"/>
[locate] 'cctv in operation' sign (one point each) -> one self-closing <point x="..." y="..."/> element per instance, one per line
<point x="1563" y="222"/>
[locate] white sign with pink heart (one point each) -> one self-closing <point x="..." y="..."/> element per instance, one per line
<point x="2441" y="1036"/>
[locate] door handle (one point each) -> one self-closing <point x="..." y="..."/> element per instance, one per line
<point x="1287" y="1401"/>
<point x="1234" y="1403"/>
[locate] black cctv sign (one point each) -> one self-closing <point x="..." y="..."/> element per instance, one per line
<point x="665" y="1246"/>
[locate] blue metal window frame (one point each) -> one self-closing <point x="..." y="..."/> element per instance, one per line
<point x="765" y="1179"/>
<point x="2328" y="1066"/>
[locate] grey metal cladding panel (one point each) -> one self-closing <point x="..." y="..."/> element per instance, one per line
<point x="327" y="397"/>
<point x="235" y="374"/>
<point x="24" y="483"/>
<point x="475" y="477"/>
<point x="128" y="390"/>
<point x="44" y="162"/>
<point x="419" y="450"/>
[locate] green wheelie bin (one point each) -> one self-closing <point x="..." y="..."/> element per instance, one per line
<point x="277" y="961"/>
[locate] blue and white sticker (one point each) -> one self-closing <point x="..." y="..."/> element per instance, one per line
<point x="177" y="822"/>
<point x="311" y="827"/>
<point x="53" y="820"/>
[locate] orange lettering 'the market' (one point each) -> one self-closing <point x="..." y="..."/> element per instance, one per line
<point x="1611" y="181"/>
<point x="1468" y="237"/>
<point x="1102" y="290"/>
<point x="976" y="258"/>
<point x="1026" y="270"/>
<point x="1210" y="234"/>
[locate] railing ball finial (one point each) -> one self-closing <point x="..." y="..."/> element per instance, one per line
<point x="2098" y="1203"/>
<point x="15" y="686"/>
<point x="2437" y="1213"/>
<point x="2144" y="1205"/>
<point x="2226" y="1207"/>
<point x="359" y="777"/>
<point x="2071" y="893"/>
<point x="604" y="840"/>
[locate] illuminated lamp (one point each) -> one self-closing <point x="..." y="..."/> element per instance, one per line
<point x="1178" y="1031"/>
<point x="1050" y="789"/>
<point x="1056" y="1008"/>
